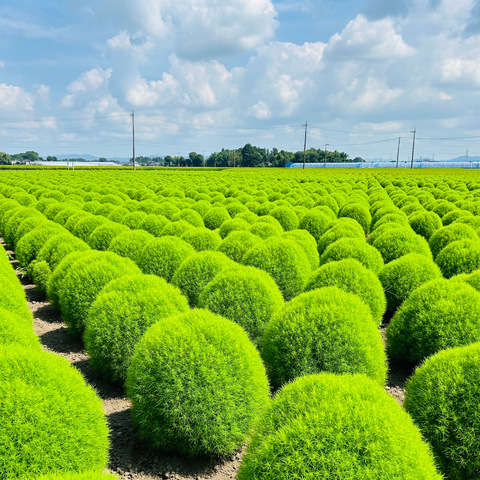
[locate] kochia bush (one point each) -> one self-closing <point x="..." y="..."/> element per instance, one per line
<point x="177" y="365"/>
<point x="445" y="235"/>
<point x="120" y="315"/>
<point x="284" y="260"/>
<point x="326" y="329"/>
<point x="425" y="223"/>
<point x="103" y="235"/>
<point x="237" y="243"/>
<point x="202" y="238"/>
<point x="351" y="276"/>
<point x="248" y="296"/>
<point x="338" y="427"/>
<point x="442" y="398"/>
<point x="461" y="256"/>
<point x="130" y="244"/>
<point x="437" y="315"/>
<point x="51" y="420"/>
<point x="358" y="212"/>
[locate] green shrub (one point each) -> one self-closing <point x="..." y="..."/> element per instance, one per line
<point x="197" y="384"/>
<point x="395" y="243"/>
<point x="308" y="244"/>
<point x="26" y="226"/>
<point x="88" y="475"/>
<point x="326" y="329"/>
<point x="51" y="420"/>
<point x="237" y="243"/>
<point x="162" y="256"/>
<point x="86" y="225"/>
<point x="117" y="214"/>
<point x="354" y="248"/>
<point x="103" y="235"/>
<point x="461" y="256"/>
<point x="130" y="244"/>
<point x="401" y="277"/>
<point x="190" y="216"/>
<point x="351" y="276"/>
<point x="358" y="212"/>
<point x="382" y="229"/>
<point x="154" y="224"/>
<point x="32" y="242"/>
<point x="215" y="217"/>
<point x="442" y="398"/>
<point x="120" y="315"/>
<point x="336" y="427"/>
<point x="58" y="246"/>
<point x="248" y="296"/>
<point x="425" y="223"/>
<point x="445" y="235"/>
<point x="286" y="216"/>
<point x="450" y="217"/>
<point x="83" y="281"/>
<point x="197" y="270"/>
<point x="248" y="216"/>
<point x="16" y="330"/>
<point x="343" y="227"/>
<point x="202" y="238"/>
<point x="284" y="260"/>
<point x="437" y="315"/>
<point x="40" y="272"/>
<point x="13" y="220"/>
<point x="176" y="229"/>
<point x="134" y="219"/>
<point x="72" y="221"/>
<point x="265" y="230"/>
<point x="233" y="225"/>
<point x="316" y="222"/>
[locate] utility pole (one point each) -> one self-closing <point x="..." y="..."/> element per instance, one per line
<point x="325" y="159"/>
<point x="305" y="143"/>
<point x="133" y="137"/>
<point x="413" y="146"/>
<point x="398" y="151"/>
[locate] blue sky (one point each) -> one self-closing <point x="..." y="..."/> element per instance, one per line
<point x="206" y="74"/>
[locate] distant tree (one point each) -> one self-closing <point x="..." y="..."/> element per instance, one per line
<point x="168" y="160"/>
<point x="196" y="159"/>
<point x="5" y="158"/>
<point x="252" y="156"/>
<point x="51" y="158"/>
<point x="358" y="160"/>
<point x="103" y="159"/>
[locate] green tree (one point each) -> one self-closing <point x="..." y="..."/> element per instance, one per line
<point x="5" y="158"/>
<point x="196" y="159"/>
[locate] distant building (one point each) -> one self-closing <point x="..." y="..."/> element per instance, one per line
<point x="64" y="163"/>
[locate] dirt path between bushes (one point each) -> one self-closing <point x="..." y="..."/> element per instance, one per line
<point x="130" y="458"/>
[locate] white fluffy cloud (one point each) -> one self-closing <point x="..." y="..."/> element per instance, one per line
<point x="15" y="99"/>
<point x="87" y="87"/>
<point x="199" y="29"/>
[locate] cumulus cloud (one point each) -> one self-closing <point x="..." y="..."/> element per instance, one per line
<point x="15" y="99"/>
<point x="87" y="86"/>
<point x="200" y="29"/>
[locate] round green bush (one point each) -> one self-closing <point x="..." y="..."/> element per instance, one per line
<point x="134" y="219"/>
<point x="32" y="242"/>
<point x="58" y="246"/>
<point x="197" y="384"/>
<point x="162" y="256"/>
<point x="120" y="315"/>
<point x="286" y="216"/>
<point x="358" y="212"/>
<point x="425" y="223"/>
<point x="12" y="221"/>
<point x="72" y="221"/>
<point x="285" y="260"/>
<point x="237" y="243"/>
<point x="445" y="235"/>
<point x="248" y="296"/>
<point x="40" y="272"/>
<point x="84" y="280"/>
<point x="12" y="296"/>
<point x="442" y="398"/>
<point x="190" y="216"/>
<point x="197" y="270"/>
<point x="88" y="475"/>
<point x="102" y="236"/>
<point x="308" y="244"/>
<point x="316" y="222"/>
<point x="233" y="225"/>
<point x="327" y="329"/>
<point x="343" y="227"/>
<point x="351" y="276"/>
<point x="336" y="427"/>
<point x="393" y="244"/>
<point x="215" y="217"/>
<point x="450" y="217"/>
<point x="437" y="315"/>
<point x="86" y="225"/>
<point x="130" y="244"/>
<point x="265" y="230"/>
<point x="401" y="277"/>
<point x="354" y="248"/>
<point x="382" y="229"/>
<point x="26" y="226"/>
<point x="51" y="420"/>
<point x="176" y="228"/>
<point x="461" y="256"/>
<point x="16" y="330"/>
<point x="202" y="238"/>
<point x="154" y="224"/>
<point x="117" y="214"/>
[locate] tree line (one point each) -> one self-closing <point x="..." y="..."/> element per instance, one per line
<point x="247" y="156"/>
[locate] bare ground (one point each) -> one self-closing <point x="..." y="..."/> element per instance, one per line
<point x="130" y="457"/>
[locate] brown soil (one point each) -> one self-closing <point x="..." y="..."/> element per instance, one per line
<point x="130" y="457"/>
